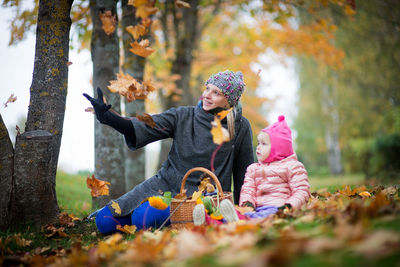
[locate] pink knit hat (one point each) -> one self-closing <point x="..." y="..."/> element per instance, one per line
<point x="281" y="140"/>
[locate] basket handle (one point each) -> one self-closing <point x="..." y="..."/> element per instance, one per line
<point x="211" y="174"/>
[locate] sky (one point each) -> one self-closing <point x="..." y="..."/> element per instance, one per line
<point x="278" y="82"/>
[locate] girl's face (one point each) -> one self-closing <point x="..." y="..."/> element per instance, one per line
<point x="263" y="147"/>
<point x="213" y="98"/>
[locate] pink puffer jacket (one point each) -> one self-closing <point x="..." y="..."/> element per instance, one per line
<point x="276" y="183"/>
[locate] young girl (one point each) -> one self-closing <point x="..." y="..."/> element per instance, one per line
<point x="189" y="127"/>
<point x="278" y="180"/>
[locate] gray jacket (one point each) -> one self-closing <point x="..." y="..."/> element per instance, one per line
<point x="190" y="129"/>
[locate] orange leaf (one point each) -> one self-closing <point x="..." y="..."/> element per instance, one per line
<point x="141" y="49"/>
<point x="109" y="21"/>
<point x="146" y="118"/>
<point x="136" y="31"/>
<point x="129" y="87"/>
<point x="90" y="109"/>
<point x="364" y="194"/>
<point x="137" y="3"/>
<point x="145" y="11"/>
<point x="222" y="114"/>
<point x="65" y="219"/>
<point x="97" y="187"/>
<point x="219" y="133"/>
<point x="11" y="99"/>
<point x="181" y="195"/>
<point x="116" y="207"/>
<point x="180" y="3"/>
<point x="128" y="229"/>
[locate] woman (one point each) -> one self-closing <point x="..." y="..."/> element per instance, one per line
<point x="190" y="129"/>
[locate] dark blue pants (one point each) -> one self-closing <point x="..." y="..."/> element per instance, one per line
<point x="142" y="217"/>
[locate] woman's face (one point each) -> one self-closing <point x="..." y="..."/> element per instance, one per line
<point x="263" y="147"/>
<point x="213" y="98"/>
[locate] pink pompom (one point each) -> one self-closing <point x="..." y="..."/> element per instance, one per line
<point x="281" y="118"/>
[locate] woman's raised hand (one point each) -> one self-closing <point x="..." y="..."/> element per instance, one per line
<point x="100" y="108"/>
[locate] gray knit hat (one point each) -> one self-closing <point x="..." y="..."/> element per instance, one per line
<point x="231" y="84"/>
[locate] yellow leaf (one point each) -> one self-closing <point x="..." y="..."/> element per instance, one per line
<point x="180" y="3"/>
<point x="141" y="49"/>
<point x="108" y="20"/>
<point x="128" y="229"/>
<point x="136" y="31"/>
<point x="196" y="195"/>
<point x="219" y="133"/>
<point x="364" y="194"/>
<point x="116" y="207"/>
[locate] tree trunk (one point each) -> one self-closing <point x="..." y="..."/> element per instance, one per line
<point x="36" y="151"/>
<point x="332" y="129"/>
<point x="6" y="174"/>
<point x="109" y="144"/>
<point x="186" y="42"/>
<point x="135" y="161"/>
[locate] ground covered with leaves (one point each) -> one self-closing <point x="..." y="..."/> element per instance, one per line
<point x="349" y="227"/>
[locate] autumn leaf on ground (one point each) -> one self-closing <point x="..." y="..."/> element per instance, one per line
<point x="116" y="207"/>
<point x="11" y="99"/>
<point x="55" y="231"/>
<point x="364" y="194"/>
<point x="97" y="187"/>
<point x="219" y="133"/>
<point x="146" y="118"/>
<point x="108" y="21"/>
<point x="128" y="229"/>
<point x="142" y="49"/>
<point x="136" y="31"/>
<point x="183" y="4"/>
<point x="20" y="241"/>
<point x="65" y="219"/>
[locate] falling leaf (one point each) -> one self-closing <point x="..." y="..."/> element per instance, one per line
<point x="183" y="4"/>
<point x="11" y="99"/>
<point x="146" y="118"/>
<point x="129" y="87"/>
<point x="145" y="11"/>
<point x="90" y="109"/>
<point x="69" y="63"/>
<point x="141" y="49"/>
<point x="219" y="133"/>
<point x="97" y="187"/>
<point x="18" y="130"/>
<point x="116" y="207"/>
<point x="108" y="20"/>
<point x="136" y="31"/>
<point x="128" y="229"/>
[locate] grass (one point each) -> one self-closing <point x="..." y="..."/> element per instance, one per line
<point x="333" y="183"/>
<point x="73" y="196"/>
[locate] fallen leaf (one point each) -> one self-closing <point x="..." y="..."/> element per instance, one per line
<point x="183" y="4"/>
<point x="141" y="49"/>
<point x="378" y="243"/>
<point x="97" y="187"/>
<point x="128" y="229"/>
<point x="146" y="118"/>
<point x="65" y="219"/>
<point x="108" y="20"/>
<point x="11" y="99"/>
<point x="136" y="31"/>
<point x="116" y="207"/>
<point x="364" y="194"/>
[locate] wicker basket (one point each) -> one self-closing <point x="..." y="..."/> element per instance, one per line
<point x="182" y="210"/>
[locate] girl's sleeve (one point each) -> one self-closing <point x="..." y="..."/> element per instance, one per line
<point x="248" y="192"/>
<point x="299" y="185"/>
<point x="144" y="133"/>
<point x="243" y="157"/>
